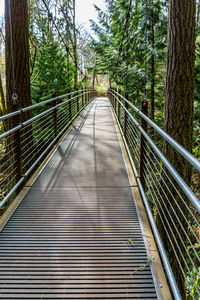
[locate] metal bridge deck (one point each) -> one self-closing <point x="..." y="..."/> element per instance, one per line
<point x="69" y="237"/>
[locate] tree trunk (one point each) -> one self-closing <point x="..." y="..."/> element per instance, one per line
<point x="179" y="113"/>
<point x="93" y="79"/>
<point x="20" y="33"/>
<point x="21" y="57"/>
<point x="198" y="12"/>
<point x="180" y="78"/>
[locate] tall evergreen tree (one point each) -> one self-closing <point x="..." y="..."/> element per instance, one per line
<point x="179" y="98"/>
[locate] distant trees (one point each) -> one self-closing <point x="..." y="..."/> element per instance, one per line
<point x="58" y="54"/>
<point x="121" y="42"/>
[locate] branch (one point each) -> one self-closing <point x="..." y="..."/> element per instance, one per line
<point x="124" y="31"/>
<point x="34" y="57"/>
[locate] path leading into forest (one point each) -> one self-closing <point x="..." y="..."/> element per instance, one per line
<point x="77" y="235"/>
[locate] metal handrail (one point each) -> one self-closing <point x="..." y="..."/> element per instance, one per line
<point x="19" y="111"/>
<point x="86" y="94"/>
<point x="56" y="98"/>
<point x="150" y="181"/>
<point x="185" y="188"/>
<point x="153" y="224"/>
<point x="187" y="155"/>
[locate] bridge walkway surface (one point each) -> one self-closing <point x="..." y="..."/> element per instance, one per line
<point x="77" y="234"/>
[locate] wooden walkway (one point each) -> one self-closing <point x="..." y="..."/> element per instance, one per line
<point x="70" y="236"/>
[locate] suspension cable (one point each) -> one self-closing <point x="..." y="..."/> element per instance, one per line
<point x="14" y="91"/>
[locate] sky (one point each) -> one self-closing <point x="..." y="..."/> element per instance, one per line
<point x="1" y="8"/>
<point x="84" y="11"/>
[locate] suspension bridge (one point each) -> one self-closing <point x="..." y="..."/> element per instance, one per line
<point x="88" y="183"/>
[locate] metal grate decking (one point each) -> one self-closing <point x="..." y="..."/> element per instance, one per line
<point x="69" y="238"/>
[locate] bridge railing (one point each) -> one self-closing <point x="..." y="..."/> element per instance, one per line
<point x="172" y="206"/>
<point x="32" y="133"/>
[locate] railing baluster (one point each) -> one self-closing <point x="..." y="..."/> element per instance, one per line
<point x="83" y="99"/>
<point x="143" y="147"/>
<point x="115" y="103"/>
<point x="119" y="107"/>
<point x="85" y="96"/>
<point x="77" y="104"/>
<point x="54" y="103"/>
<point x="17" y="150"/>
<point x="70" y="105"/>
<point x="126" y="115"/>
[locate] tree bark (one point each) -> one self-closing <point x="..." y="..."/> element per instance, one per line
<point x="178" y="116"/>
<point x="180" y="79"/>
<point x="20" y="38"/>
<point x="21" y="56"/>
<point x="198" y="12"/>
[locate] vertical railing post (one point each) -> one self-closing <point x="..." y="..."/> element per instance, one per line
<point x="126" y="115"/>
<point x="82" y="97"/>
<point x="113" y="97"/>
<point x="108" y="93"/>
<point x="86" y="95"/>
<point x="70" y="105"/>
<point x="17" y="148"/>
<point x="115" y="101"/>
<point x="55" y="117"/>
<point x="143" y="144"/>
<point x="77" y="102"/>
<point x="119" y="106"/>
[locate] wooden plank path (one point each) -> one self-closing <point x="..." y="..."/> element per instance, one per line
<point x="69" y="237"/>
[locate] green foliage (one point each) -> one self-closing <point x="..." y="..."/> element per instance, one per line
<point x="193" y="282"/>
<point x="120" y="47"/>
<point x="57" y="50"/>
<point x="120" y="51"/>
<point x="50" y="69"/>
